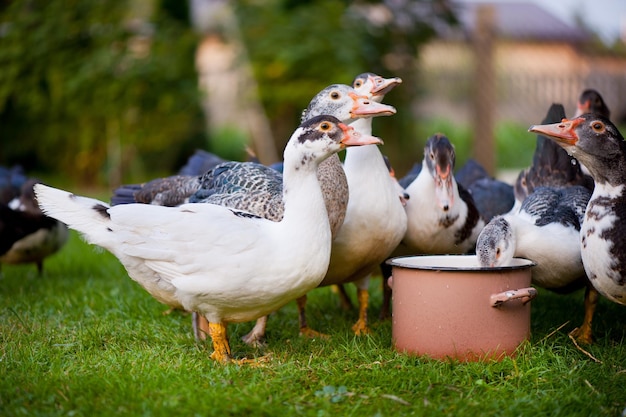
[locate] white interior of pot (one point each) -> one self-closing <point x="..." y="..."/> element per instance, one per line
<point x="454" y="262"/>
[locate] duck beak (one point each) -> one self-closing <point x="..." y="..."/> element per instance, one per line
<point x="364" y="107"/>
<point x="444" y="187"/>
<point x="563" y="133"/>
<point x="353" y="138"/>
<point x="382" y="86"/>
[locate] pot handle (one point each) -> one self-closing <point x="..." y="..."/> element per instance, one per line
<point x="526" y="294"/>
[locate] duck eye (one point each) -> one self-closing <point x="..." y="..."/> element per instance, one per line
<point x="358" y="83"/>
<point x="325" y="126"/>
<point x="334" y="95"/>
<point x="432" y="155"/>
<point x="597" y="126"/>
<point x="498" y="253"/>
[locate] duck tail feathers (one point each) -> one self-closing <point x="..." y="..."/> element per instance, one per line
<point x="86" y="215"/>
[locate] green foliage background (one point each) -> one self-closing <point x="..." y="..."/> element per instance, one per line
<point x="72" y="88"/>
<point x="79" y="96"/>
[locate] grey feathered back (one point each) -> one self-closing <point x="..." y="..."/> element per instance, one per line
<point x="247" y="186"/>
<point x="565" y="205"/>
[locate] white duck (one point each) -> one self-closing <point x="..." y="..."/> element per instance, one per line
<point x="228" y="265"/>
<point x="441" y="215"/>
<point x="253" y="187"/>
<point x="375" y="218"/>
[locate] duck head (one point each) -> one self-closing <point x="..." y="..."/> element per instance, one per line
<point x="374" y="86"/>
<point x="594" y="141"/>
<point x="343" y="102"/>
<point x="439" y="158"/>
<point x="323" y="135"/>
<point x="496" y="243"/>
<point x="590" y="101"/>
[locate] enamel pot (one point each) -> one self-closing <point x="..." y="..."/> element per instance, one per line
<point x="448" y="306"/>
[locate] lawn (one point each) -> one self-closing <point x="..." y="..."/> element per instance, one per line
<point x="85" y="340"/>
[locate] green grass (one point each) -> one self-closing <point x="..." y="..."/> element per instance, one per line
<point x="85" y="340"/>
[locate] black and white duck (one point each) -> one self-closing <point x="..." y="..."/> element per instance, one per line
<point x="442" y="217"/>
<point x="240" y="266"/>
<point x="546" y="229"/>
<point x="595" y="142"/>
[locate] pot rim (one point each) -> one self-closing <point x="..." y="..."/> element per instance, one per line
<point x="440" y="260"/>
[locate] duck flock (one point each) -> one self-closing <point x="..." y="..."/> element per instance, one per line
<point x="235" y="241"/>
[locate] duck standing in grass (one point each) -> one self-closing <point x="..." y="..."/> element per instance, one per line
<point x="375" y="219"/>
<point x="226" y="264"/>
<point x="257" y="189"/>
<point x="442" y="217"/>
<point x="26" y="234"/>
<point x="546" y="229"/>
<point x="594" y="141"/>
<point x="253" y="187"/>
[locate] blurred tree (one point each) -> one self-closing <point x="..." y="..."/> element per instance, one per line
<point x="299" y="47"/>
<point x="91" y="88"/>
<point x="98" y="90"/>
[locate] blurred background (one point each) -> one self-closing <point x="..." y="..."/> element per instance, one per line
<point x="95" y="93"/>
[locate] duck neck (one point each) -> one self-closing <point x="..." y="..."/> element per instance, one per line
<point x="302" y="196"/>
<point x="363" y="125"/>
<point x="364" y="158"/>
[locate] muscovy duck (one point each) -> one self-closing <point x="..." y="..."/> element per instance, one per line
<point x="598" y="145"/>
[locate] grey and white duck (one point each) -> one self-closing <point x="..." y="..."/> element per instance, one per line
<point x="375" y="221"/>
<point x="241" y="266"/>
<point x="546" y="229"/>
<point x="596" y="142"/>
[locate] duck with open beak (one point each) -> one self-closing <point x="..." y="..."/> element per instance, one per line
<point x="440" y="163"/>
<point x="441" y="215"/>
<point x="380" y="85"/>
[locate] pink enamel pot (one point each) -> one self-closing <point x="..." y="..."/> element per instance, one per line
<point x="447" y="306"/>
